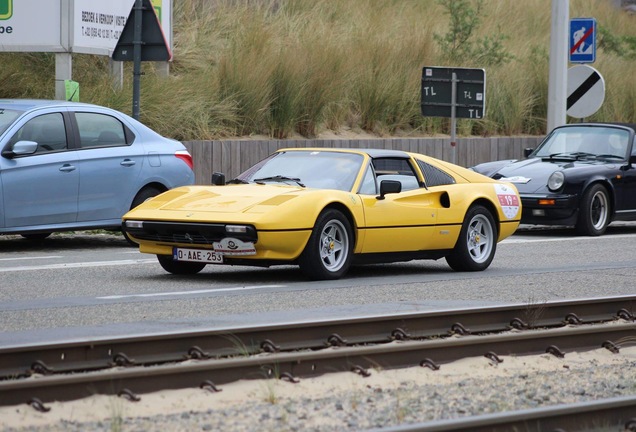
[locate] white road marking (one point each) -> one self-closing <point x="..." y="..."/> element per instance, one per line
<point x="79" y="265"/>
<point x="177" y="293"/>
<point x="560" y="239"/>
<point x="31" y="258"/>
<point x="62" y="266"/>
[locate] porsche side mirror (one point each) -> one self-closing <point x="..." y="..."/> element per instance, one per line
<point x="388" y="187"/>
<point x="632" y="159"/>
<point x="527" y="151"/>
<point x="21" y="148"/>
<point x="218" y="179"/>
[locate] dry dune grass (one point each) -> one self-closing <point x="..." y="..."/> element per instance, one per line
<point x="288" y="67"/>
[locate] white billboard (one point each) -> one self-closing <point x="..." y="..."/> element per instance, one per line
<point x="31" y="25"/>
<point x="72" y="26"/>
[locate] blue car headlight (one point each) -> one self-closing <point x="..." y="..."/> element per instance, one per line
<point x="556" y="180"/>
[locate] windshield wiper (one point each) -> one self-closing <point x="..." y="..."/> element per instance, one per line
<point x="609" y="156"/>
<point x="279" y="178"/>
<point x="559" y="155"/>
<point x="569" y="156"/>
<point x="238" y="181"/>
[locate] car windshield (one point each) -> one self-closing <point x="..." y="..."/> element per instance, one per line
<point x="7" y="117"/>
<point x="312" y="169"/>
<point x="585" y="142"/>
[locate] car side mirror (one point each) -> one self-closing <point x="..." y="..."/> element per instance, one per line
<point x="632" y="159"/>
<point x="21" y="148"/>
<point x="218" y="179"/>
<point x="527" y="151"/>
<point x="388" y="187"/>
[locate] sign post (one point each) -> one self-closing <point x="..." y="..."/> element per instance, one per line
<point x="141" y="40"/>
<point x="453" y="92"/>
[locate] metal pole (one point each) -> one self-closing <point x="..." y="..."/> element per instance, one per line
<point x="137" y="58"/>
<point x="64" y="60"/>
<point x="453" y="119"/>
<point x="557" y="84"/>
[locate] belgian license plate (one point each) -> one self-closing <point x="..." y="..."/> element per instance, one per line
<point x="197" y="255"/>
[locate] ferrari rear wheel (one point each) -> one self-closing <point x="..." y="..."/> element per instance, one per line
<point x="477" y="243"/>
<point x="179" y="267"/>
<point x="594" y="211"/>
<point x="327" y="254"/>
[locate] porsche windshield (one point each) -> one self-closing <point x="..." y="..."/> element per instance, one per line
<point x="585" y="142"/>
<point x="313" y="169"/>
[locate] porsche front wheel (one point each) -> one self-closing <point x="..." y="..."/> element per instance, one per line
<point x="477" y="243"/>
<point x="327" y="254"/>
<point x="594" y="211"/>
<point x="179" y="267"/>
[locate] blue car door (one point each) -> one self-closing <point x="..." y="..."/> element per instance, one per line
<point x="111" y="163"/>
<point x="41" y="188"/>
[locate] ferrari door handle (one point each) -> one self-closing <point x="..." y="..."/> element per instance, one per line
<point x="127" y="162"/>
<point x="67" y="168"/>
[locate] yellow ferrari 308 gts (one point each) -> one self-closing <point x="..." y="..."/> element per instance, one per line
<point x="326" y="209"/>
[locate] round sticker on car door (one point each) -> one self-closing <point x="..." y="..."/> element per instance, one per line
<point x="508" y="199"/>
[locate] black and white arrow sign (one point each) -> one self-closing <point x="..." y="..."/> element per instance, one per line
<point x="586" y="91"/>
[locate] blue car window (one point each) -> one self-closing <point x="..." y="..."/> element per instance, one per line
<point x="99" y="130"/>
<point x="47" y="130"/>
<point x="7" y="117"/>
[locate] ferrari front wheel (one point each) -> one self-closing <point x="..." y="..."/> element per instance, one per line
<point x="179" y="267"/>
<point x="477" y="243"/>
<point x="328" y="252"/>
<point x="594" y="211"/>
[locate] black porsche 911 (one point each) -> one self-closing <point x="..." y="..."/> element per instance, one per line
<point x="581" y="175"/>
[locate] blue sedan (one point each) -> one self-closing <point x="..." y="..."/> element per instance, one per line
<point x="74" y="166"/>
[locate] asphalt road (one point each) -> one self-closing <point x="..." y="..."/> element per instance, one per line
<point x="95" y="285"/>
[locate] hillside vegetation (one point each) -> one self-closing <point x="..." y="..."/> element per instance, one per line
<point x="286" y="67"/>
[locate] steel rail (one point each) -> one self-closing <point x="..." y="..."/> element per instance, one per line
<point x="293" y="365"/>
<point x="60" y="357"/>
<point x="617" y="414"/>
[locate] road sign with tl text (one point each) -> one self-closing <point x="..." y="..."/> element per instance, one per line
<point x="437" y="92"/>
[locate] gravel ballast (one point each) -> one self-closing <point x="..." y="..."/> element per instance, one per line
<point x="346" y="401"/>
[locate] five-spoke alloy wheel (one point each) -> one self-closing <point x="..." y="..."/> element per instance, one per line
<point x="475" y="248"/>
<point x="328" y="251"/>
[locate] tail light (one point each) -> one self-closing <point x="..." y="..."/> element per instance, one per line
<point x="186" y="157"/>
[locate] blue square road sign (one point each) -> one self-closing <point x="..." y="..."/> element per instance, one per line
<point x="582" y="40"/>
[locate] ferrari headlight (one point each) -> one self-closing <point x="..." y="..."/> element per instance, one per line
<point x="556" y="180"/>
<point x="134" y="224"/>
<point x="242" y="229"/>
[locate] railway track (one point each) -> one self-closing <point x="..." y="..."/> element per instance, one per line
<point x="145" y="363"/>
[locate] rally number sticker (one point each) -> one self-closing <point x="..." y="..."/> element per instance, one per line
<point x="508" y="199"/>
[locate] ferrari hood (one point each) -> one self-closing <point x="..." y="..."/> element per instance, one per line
<point x="223" y="199"/>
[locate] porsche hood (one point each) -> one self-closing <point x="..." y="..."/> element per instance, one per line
<point x="531" y="175"/>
